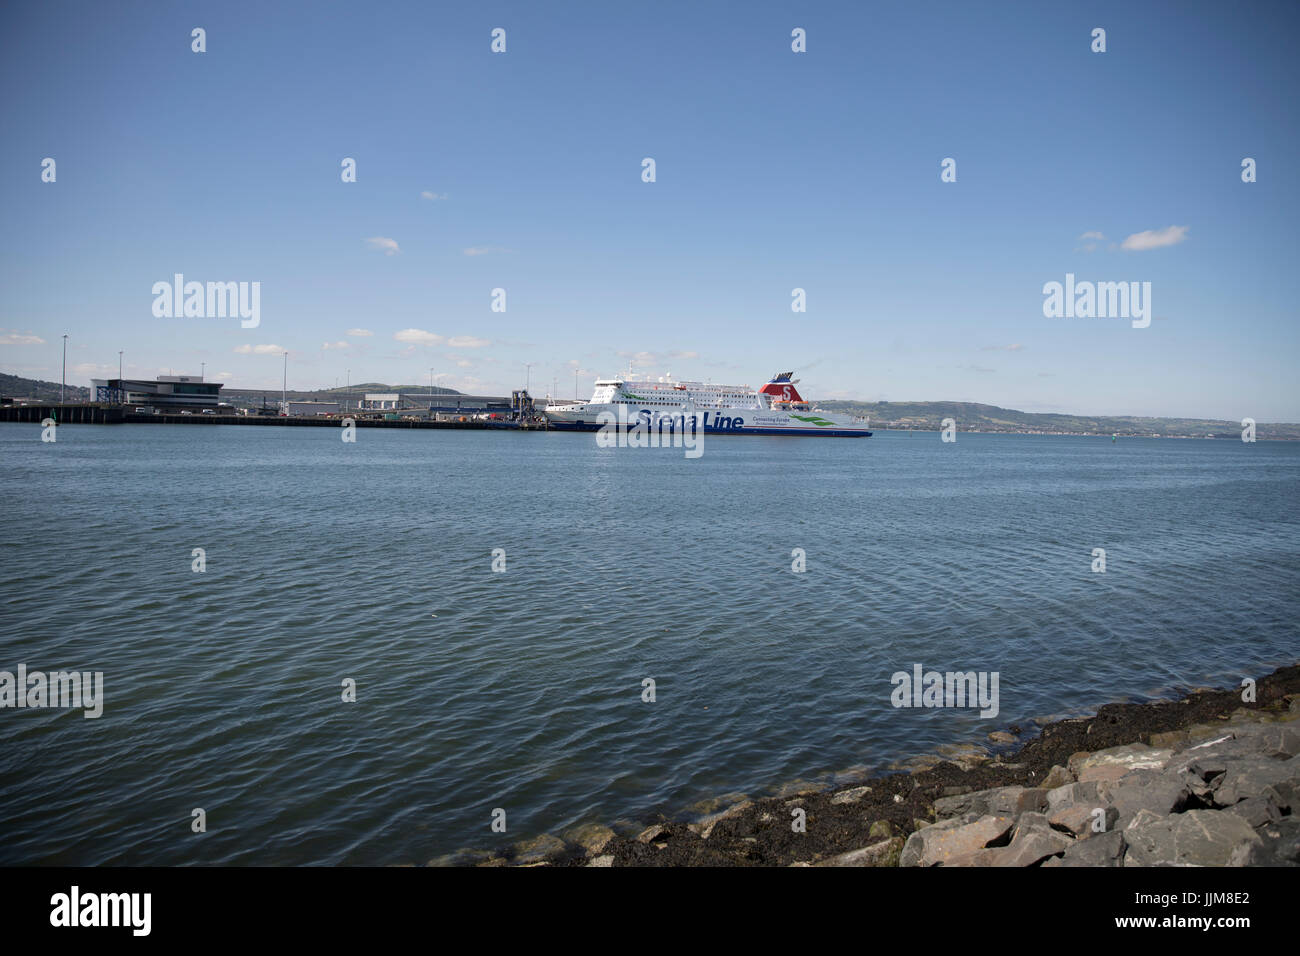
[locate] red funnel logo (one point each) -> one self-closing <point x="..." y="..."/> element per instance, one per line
<point x="782" y="389"/>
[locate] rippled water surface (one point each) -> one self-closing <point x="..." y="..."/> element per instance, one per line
<point x="522" y="690"/>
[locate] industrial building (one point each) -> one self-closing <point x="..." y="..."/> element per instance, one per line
<point x="310" y="408"/>
<point x="166" y="392"/>
<point x="454" y="403"/>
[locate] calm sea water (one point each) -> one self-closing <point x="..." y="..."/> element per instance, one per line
<point x="522" y="690"/>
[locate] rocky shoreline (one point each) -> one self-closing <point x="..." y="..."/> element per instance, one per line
<point x="1206" y="780"/>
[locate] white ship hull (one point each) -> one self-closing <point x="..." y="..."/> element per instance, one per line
<point x="715" y="409"/>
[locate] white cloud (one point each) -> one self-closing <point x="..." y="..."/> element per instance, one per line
<point x="467" y="342"/>
<point x="387" y="246"/>
<point x="1092" y="235"/>
<point x="658" y="358"/>
<point x="418" y="337"/>
<point x="432" y="196"/>
<point x="14" y="337"/>
<point x="260" y="349"/>
<point x="358" y="333"/>
<point x="484" y="250"/>
<point x="336" y="345"/>
<point x="1155" y="238"/>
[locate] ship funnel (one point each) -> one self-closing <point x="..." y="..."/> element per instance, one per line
<point x="781" y="388"/>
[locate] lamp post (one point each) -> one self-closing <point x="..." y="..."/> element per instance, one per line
<point x="284" y="387"/>
<point x="203" y="367"/>
<point x="430" y="390"/>
<point x="528" y="378"/>
<point x="63" y="382"/>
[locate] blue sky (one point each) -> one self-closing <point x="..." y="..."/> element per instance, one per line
<point x="775" y="170"/>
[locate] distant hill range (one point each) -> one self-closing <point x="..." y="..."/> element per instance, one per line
<point x="917" y="416"/>
<point x="352" y="393"/>
<point x="12" y="386"/>
<point x="971" y="416"/>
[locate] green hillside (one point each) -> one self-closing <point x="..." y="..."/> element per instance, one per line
<point x="972" y="416"/>
<point x="14" y="386"/>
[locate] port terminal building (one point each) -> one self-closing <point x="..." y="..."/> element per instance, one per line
<point x="166" y="392"/>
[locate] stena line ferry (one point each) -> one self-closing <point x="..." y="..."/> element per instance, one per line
<point x="775" y="409"/>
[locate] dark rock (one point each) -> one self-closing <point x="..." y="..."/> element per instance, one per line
<point x="1058" y="776"/>
<point x="1279" y="741"/>
<point x="1279" y="845"/>
<point x="1194" y="838"/>
<point x="1285" y="795"/>
<point x="1074" y="793"/>
<point x="884" y="853"/>
<point x="1032" y="841"/>
<point x="1009" y="801"/>
<point x="1250" y="777"/>
<point x="1256" y="811"/>
<point x="1144" y="818"/>
<point x="952" y="838"/>
<point x="1160" y="793"/>
<point x="1102" y="849"/>
<point x="1080" y="819"/>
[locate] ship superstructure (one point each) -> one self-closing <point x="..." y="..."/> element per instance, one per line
<point x="775" y="409"/>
